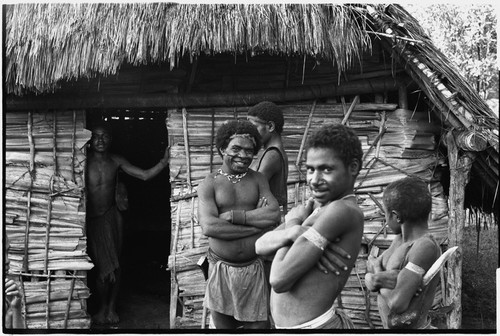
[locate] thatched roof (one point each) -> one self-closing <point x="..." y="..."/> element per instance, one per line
<point x="47" y="43"/>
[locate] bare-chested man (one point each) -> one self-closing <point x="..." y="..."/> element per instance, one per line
<point x="235" y="208"/>
<point x="272" y="161"/>
<point x="104" y="221"/>
<point x="302" y="295"/>
<point x="397" y="274"/>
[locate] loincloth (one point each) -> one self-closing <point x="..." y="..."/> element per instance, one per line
<point x="103" y="241"/>
<point x="331" y="319"/>
<point x="238" y="290"/>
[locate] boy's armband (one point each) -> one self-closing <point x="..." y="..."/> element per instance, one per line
<point x="415" y="268"/>
<point x="316" y="238"/>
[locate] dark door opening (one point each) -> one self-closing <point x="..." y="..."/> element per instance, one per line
<point x="141" y="137"/>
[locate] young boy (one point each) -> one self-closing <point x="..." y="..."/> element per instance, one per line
<point x="302" y="295"/>
<point x="272" y="161"/>
<point x="397" y="274"/>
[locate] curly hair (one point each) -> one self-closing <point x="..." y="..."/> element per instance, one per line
<point x="232" y="127"/>
<point x="342" y="139"/>
<point x="268" y="111"/>
<point x="410" y="197"/>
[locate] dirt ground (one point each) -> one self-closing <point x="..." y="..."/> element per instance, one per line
<point x="143" y="303"/>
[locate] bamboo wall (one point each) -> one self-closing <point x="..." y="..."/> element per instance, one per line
<point x="44" y="216"/>
<point x="396" y="143"/>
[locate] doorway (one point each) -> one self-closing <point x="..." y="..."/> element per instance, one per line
<point x="141" y="137"/>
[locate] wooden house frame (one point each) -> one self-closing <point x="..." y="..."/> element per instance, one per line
<point x="369" y="66"/>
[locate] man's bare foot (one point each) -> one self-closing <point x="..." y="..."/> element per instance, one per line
<point x="112" y="317"/>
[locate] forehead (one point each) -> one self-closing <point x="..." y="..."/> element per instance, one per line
<point x="256" y="119"/>
<point x="240" y="141"/>
<point x="318" y="156"/>
<point x="100" y="131"/>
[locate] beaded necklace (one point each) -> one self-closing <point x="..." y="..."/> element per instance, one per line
<point x="233" y="178"/>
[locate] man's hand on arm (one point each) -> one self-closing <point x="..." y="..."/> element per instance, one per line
<point x="383" y="279"/>
<point x="298" y="214"/>
<point x="332" y="258"/>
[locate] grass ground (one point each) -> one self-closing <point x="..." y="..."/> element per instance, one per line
<point x="479" y="278"/>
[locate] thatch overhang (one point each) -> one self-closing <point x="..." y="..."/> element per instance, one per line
<point x="78" y="41"/>
<point x="82" y="40"/>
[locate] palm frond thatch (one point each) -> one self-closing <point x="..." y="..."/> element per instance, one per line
<point x="46" y="43"/>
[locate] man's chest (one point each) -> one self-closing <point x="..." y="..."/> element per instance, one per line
<point x="242" y="194"/>
<point x="101" y="172"/>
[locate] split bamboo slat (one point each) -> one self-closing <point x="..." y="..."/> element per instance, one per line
<point x="45" y="216"/>
<point x="395" y="145"/>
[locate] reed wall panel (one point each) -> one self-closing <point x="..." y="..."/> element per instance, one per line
<point x="45" y="216"/>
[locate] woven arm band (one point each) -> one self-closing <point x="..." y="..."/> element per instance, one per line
<point x="316" y="238"/>
<point x="238" y="217"/>
<point x="415" y="268"/>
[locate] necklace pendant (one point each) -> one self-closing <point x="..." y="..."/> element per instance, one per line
<point x="233" y="178"/>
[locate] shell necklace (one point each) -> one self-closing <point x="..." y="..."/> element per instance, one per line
<point x="233" y="178"/>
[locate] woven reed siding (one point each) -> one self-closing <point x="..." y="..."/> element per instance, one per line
<point x="393" y="147"/>
<point x="45" y="216"/>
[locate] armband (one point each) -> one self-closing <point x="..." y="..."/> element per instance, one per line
<point x="415" y="268"/>
<point x="238" y="217"/>
<point x="316" y="238"/>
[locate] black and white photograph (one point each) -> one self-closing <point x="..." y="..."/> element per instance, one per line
<point x="180" y="167"/>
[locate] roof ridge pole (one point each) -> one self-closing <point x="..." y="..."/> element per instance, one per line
<point x="460" y="167"/>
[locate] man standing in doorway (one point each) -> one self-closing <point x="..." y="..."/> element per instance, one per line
<point x="273" y="161"/>
<point x="235" y="208"/>
<point x="104" y="221"/>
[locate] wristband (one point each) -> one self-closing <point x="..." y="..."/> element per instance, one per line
<point x="238" y="217"/>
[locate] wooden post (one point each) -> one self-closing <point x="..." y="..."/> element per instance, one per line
<point x="460" y="165"/>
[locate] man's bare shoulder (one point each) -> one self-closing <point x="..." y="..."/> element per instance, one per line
<point x="340" y="218"/>
<point x="425" y="248"/>
<point x="344" y="210"/>
<point x="208" y="181"/>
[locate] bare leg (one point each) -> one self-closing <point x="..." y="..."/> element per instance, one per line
<point x="103" y="289"/>
<point x="111" y="314"/>
<point x="223" y="321"/>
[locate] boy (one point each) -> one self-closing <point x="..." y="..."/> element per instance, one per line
<point x="273" y="161"/>
<point x="235" y="208"/>
<point x="104" y="220"/>
<point x="397" y="274"/>
<point x="302" y="295"/>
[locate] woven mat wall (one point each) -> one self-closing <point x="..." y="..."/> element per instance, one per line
<point x="45" y="216"/>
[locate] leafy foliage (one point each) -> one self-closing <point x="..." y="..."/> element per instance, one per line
<point x="466" y="34"/>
